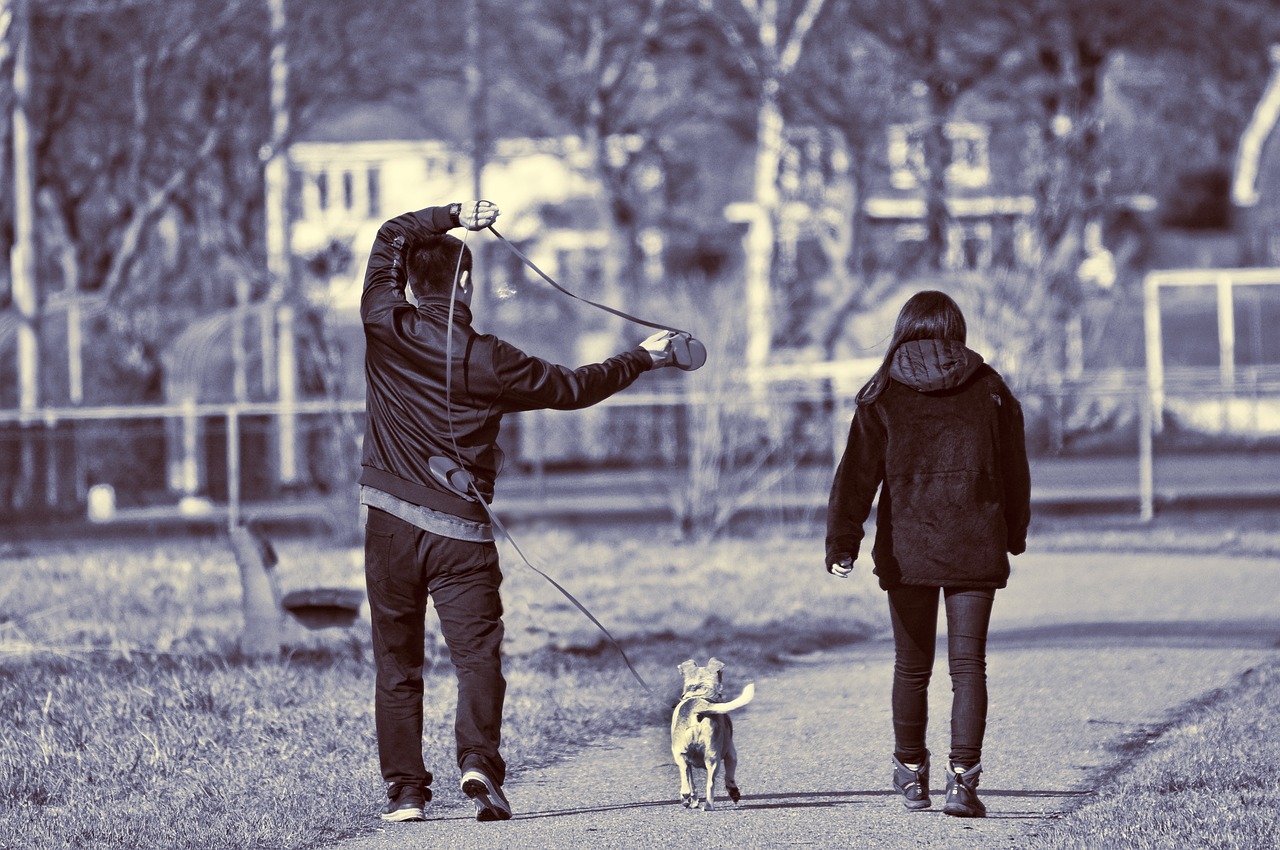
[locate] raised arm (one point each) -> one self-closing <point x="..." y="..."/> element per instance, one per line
<point x="384" y="278"/>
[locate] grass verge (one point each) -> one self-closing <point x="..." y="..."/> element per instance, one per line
<point x="1208" y="782"/>
<point x="129" y="719"/>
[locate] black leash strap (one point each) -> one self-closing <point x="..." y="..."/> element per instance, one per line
<point x="497" y="524"/>
<point x="620" y="314"/>
<point x="493" y="517"/>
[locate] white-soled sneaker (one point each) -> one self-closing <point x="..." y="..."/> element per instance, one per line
<point x="491" y="803"/>
<point x="408" y="804"/>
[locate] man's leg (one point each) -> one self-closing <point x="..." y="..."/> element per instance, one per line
<point x="397" y="607"/>
<point x="464" y="585"/>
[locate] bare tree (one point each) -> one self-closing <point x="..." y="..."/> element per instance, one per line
<point x="851" y="84"/>
<point x="590" y="62"/>
<point x="767" y="38"/>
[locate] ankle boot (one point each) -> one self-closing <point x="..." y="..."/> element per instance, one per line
<point x="913" y="785"/>
<point x="962" y="792"/>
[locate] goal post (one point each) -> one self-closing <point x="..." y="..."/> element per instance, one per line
<point x="1224" y="283"/>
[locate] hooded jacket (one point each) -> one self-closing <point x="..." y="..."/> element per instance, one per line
<point x="410" y="416"/>
<point x="944" y="443"/>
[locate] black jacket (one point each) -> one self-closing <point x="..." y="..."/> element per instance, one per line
<point x="946" y="441"/>
<point x="405" y="348"/>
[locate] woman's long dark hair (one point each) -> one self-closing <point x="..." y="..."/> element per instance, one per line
<point x="926" y="315"/>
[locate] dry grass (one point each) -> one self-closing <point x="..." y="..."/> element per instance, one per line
<point x="125" y="707"/>
<point x="1209" y="782"/>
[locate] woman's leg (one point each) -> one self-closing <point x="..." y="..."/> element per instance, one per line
<point x="913" y="612"/>
<point x="968" y="617"/>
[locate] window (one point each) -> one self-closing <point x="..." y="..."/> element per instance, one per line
<point x="968" y="160"/>
<point x="374" y="178"/>
<point x="969" y="246"/>
<point x="969" y="163"/>
<point x="348" y="190"/>
<point x="322" y="190"/>
<point x="906" y="156"/>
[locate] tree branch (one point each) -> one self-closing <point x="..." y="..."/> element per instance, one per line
<point x="145" y="213"/>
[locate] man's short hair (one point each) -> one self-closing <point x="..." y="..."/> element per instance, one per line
<point x="432" y="264"/>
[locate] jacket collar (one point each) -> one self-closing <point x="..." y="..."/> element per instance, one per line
<point x="438" y="306"/>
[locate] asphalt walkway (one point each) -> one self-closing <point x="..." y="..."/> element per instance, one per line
<point x="1090" y="657"/>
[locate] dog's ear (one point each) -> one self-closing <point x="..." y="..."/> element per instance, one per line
<point x="687" y="667"/>
<point x="715" y="665"/>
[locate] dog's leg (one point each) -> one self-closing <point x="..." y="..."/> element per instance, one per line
<point x="713" y="767"/>
<point x="687" y="798"/>
<point x="730" y="772"/>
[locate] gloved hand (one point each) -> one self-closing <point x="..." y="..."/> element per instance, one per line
<point x="841" y="568"/>
<point x="477" y="215"/>
<point x="659" y="348"/>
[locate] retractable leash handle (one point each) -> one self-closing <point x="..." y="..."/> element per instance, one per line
<point x="689" y="352"/>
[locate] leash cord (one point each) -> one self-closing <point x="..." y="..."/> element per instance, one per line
<point x="493" y="517"/>
<point x="619" y="313"/>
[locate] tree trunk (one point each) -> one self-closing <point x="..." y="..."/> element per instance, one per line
<point x="759" y="241"/>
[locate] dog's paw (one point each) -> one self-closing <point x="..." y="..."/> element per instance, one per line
<point x="688" y="800"/>
<point x="706" y="805"/>
<point x="734" y="794"/>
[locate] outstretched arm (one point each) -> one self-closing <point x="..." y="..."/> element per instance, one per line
<point x="531" y="383"/>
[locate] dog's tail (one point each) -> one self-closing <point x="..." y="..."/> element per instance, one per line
<point x="748" y="694"/>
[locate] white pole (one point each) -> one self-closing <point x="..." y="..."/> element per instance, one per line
<point x="279" y="249"/>
<point x="23" y="256"/>
<point x="275" y="157"/>
<point x="1226" y="330"/>
<point x="1154" y="347"/>
<point x="288" y="378"/>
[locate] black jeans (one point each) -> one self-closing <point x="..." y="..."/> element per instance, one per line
<point x="914" y="613"/>
<point x="403" y="566"/>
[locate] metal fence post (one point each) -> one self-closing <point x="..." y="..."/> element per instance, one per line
<point x="1146" y="460"/>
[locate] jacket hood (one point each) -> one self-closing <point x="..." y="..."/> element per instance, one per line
<point x="928" y="365"/>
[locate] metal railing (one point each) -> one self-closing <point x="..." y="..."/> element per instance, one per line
<point x="208" y="461"/>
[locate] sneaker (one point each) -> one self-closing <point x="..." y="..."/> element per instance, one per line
<point x="962" y="793"/>
<point x="407" y="804"/>
<point x="913" y="785"/>
<point x="490" y="802"/>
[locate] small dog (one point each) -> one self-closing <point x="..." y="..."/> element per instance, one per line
<point x="702" y="733"/>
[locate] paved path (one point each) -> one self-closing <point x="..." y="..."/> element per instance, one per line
<point x="1088" y="653"/>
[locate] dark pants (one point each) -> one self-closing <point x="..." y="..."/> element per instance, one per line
<point x="914" y="613"/>
<point x="403" y="566"/>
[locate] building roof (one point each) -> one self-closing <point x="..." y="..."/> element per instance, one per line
<point x="438" y="111"/>
<point x="384" y="121"/>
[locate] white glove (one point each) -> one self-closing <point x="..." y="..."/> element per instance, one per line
<point x="477" y="215"/>
<point x="659" y="348"/>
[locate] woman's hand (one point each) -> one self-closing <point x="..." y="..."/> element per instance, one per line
<point x="841" y="568"/>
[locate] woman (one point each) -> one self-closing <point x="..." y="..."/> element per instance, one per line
<point x="940" y="434"/>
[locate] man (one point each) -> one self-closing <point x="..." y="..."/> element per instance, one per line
<point x="435" y="401"/>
